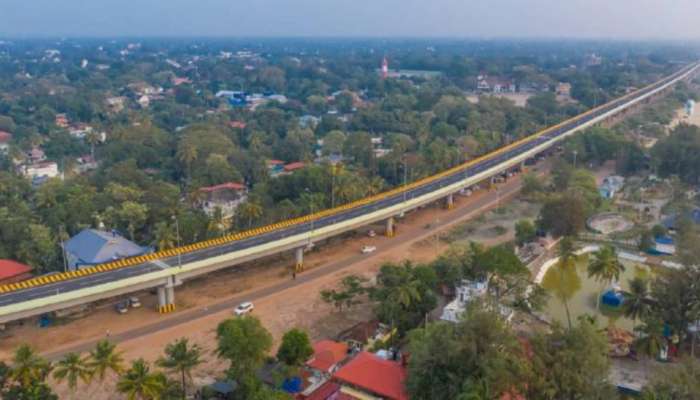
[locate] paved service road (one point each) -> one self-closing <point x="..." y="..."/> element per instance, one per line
<point x="122" y="273"/>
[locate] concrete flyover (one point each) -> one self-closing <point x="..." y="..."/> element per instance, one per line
<point x="166" y="269"/>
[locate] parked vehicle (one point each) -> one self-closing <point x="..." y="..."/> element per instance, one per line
<point x="244" y="308"/>
<point x="371" y="233"/>
<point x="122" y="307"/>
<point x="134" y="302"/>
<point x="368" y="249"/>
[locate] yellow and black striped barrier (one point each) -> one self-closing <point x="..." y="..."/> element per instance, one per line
<point x="168" y="308"/>
<point x="127" y="262"/>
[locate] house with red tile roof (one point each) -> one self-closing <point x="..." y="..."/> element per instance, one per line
<point x="370" y="374"/>
<point x="13" y="271"/>
<point x="225" y="197"/>
<point x="293" y="166"/>
<point x="237" y="124"/>
<point x="328" y="355"/>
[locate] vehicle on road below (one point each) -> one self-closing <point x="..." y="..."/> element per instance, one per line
<point x="371" y="233"/>
<point x="368" y="249"/>
<point x="122" y="307"/>
<point x="134" y="302"/>
<point x="244" y="308"/>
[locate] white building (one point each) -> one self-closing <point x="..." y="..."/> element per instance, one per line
<point x="467" y="292"/>
<point x="48" y="169"/>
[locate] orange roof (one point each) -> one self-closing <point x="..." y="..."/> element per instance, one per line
<point x="5" y="137"/>
<point x="375" y="374"/>
<point x="275" y="162"/>
<point x="10" y="269"/>
<point x="327" y="353"/>
<point x="223" y="186"/>
<point x="294" y="166"/>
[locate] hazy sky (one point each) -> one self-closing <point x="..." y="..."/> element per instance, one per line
<point x="459" y="18"/>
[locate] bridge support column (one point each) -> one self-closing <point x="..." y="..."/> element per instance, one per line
<point x="450" y="201"/>
<point x="522" y="166"/>
<point x="166" y="297"/>
<point x="162" y="300"/>
<point x="389" y="232"/>
<point x="299" y="257"/>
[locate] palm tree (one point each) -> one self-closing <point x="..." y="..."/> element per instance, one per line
<point x="651" y="338"/>
<point x="71" y="368"/>
<point x="375" y="185"/>
<point x="104" y="358"/>
<point x="637" y="303"/>
<point x="165" y="237"/>
<point x="92" y="138"/>
<point x="251" y="210"/>
<point x="138" y="382"/>
<point x="187" y="154"/>
<point x="181" y="358"/>
<point x="605" y="267"/>
<point x="28" y="366"/>
<point x="567" y="260"/>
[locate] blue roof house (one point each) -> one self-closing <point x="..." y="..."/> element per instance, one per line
<point x="91" y="247"/>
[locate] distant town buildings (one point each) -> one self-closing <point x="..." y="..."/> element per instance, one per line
<point x="5" y="139"/>
<point x="490" y="84"/>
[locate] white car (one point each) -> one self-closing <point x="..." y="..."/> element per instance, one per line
<point x="134" y="302"/>
<point x="244" y="308"/>
<point x="371" y="233"/>
<point x="368" y="249"/>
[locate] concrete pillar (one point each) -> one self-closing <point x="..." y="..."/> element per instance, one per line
<point x="299" y="256"/>
<point x="389" y="232"/>
<point x="162" y="300"/>
<point x="522" y="166"/>
<point x="450" y="201"/>
<point x="170" y="294"/>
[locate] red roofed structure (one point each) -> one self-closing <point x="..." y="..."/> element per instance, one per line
<point x="237" y="124"/>
<point x="293" y="166"/>
<point x="5" y="137"/>
<point x="13" y="271"/>
<point x="223" y="186"/>
<point x="375" y="375"/>
<point x="327" y="355"/>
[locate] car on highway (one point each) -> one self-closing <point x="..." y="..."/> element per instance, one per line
<point x="244" y="308"/>
<point x="368" y="249"/>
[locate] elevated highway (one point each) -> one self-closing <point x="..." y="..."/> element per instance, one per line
<point x="166" y="269"/>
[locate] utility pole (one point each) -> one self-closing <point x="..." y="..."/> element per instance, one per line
<point x="177" y="234"/>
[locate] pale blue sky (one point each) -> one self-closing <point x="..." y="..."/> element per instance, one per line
<point x="640" y="19"/>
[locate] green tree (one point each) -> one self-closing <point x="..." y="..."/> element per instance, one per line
<point x="139" y="383"/>
<point x="105" y="358"/>
<point x="525" y="232"/>
<point x="563" y="215"/>
<point x="651" y="338"/>
<point x="165" y="236"/>
<point x="638" y="304"/>
<point x="605" y="267"/>
<point x="244" y="342"/>
<point x="680" y="381"/>
<point x="181" y="358"/>
<point x="448" y="361"/>
<point x="351" y="287"/>
<point x="295" y="348"/>
<point x="567" y="261"/>
<point x="28" y="367"/>
<point x="569" y="364"/>
<point x="251" y="210"/>
<point x="71" y="369"/>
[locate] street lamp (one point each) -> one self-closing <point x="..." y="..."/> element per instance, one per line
<point x="311" y="211"/>
<point x="177" y="233"/>
<point x="405" y="173"/>
<point x="575" y="154"/>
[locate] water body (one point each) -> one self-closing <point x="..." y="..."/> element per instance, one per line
<point x="580" y="291"/>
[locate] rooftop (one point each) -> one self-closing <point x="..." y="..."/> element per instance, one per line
<point x="294" y="166"/>
<point x="327" y="353"/>
<point x="5" y="137"/>
<point x="223" y="186"/>
<point x="91" y="246"/>
<point x="375" y="375"/>
<point x="10" y="269"/>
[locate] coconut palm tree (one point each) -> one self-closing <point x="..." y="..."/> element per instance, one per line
<point x="71" y="368"/>
<point x="139" y="383"/>
<point x="28" y="366"/>
<point x="104" y="358"/>
<point x="187" y="154"/>
<point x="605" y="267"/>
<point x="637" y="303"/>
<point x="165" y="237"/>
<point x="651" y="338"/>
<point x="181" y="358"/>
<point x="251" y="210"/>
<point x="375" y="185"/>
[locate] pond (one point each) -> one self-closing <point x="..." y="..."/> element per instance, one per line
<point x="580" y="292"/>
